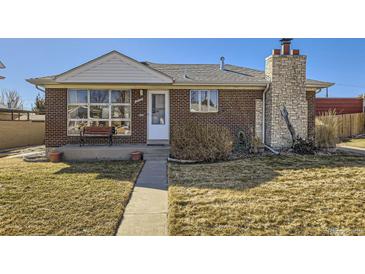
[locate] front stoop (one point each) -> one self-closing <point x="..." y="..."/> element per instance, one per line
<point x="115" y="152"/>
<point x="146" y="212"/>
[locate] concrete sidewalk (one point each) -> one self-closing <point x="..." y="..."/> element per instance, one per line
<point x="351" y="150"/>
<point x="146" y="212"/>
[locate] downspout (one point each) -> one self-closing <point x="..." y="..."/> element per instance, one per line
<point x="263" y="121"/>
<point x="264" y="112"/>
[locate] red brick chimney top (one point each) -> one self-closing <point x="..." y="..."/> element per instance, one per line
<point x="285" y="48"/>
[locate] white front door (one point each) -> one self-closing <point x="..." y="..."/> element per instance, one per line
<point x="158" y="115"/>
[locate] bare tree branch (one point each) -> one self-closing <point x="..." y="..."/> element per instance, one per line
<point x="11" y="99"/>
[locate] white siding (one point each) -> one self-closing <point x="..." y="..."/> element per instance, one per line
<point x="113" y="68"/>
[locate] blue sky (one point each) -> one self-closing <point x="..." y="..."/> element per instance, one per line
<point x="341" y="61"/>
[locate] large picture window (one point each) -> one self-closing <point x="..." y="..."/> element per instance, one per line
<point x="204" y="100"/>
<point x="99" y="108"/>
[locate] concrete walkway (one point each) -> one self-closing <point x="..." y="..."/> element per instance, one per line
<point x="351" y="150"/>
<point x="146" y="212"/>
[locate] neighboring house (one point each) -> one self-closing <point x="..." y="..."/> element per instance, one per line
<point x="146" y="101"/>
<point x="340" y="105"/>
<point x="2" y="66"/>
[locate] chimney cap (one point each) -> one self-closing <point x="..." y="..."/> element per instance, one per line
<point x="286" y="40"/>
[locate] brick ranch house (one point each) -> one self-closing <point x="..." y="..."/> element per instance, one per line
<point x="146" y="101"/>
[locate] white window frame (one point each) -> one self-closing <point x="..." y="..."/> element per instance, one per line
<point x="200" y="107"/>
<point x="88" y="120"/>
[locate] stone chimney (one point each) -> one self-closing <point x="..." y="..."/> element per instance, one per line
<point x="286" y="70"/>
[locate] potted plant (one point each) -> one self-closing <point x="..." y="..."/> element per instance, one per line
<point x="136" y="156"/>
<point x="55" y="156"/>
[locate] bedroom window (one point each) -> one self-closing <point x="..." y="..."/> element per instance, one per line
<point x="99" y="108"/>
<point x="204" y="101"/>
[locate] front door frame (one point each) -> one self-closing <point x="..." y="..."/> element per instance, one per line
<point x="167" y="112"/>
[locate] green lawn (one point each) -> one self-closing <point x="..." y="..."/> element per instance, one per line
<point x="355" y="143"/>
<point x="64" y="198"/>
<point x="272" y="195"/>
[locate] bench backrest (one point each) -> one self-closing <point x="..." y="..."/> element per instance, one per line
<point x="98" y="130"/>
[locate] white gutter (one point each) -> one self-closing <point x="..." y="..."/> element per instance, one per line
<point x="37" y="87"/>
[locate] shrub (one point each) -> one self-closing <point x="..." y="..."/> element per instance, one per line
<point x="201" y="142"/>
<point x="242" y="142"/>
<point x="326" y="130"/>
<point x="303" y="146"/>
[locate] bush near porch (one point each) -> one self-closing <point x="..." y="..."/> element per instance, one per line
<point x="64" y="198"/>
<point x="272" y="195"/>
<point x="201" y="142"/>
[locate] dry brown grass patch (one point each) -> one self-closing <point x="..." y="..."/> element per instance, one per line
<point x="286" y="195"/>
<point x="64" y="198"/>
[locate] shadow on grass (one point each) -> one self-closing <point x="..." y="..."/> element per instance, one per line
<point x="115" y="170"/>
<point x="252" y="172"/>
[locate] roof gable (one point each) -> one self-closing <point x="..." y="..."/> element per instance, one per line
<point x="113" y="67"/>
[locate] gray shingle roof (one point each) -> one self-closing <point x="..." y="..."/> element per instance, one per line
<point x="198" y="74"/>
<point x="212" y="74"/>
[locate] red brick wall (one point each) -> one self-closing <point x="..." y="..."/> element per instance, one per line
<point x="56" y="121"/>
<point x="311" y="95"/>
<point x="236" y="110"/>
<point x="56" y="117"/>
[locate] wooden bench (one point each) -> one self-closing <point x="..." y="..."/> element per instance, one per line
<point x="96" y="132"/>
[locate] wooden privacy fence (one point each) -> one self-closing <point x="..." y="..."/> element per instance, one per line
<point x="21" y="128"/>
<point x="349" y="125"/>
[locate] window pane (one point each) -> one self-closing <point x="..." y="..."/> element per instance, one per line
<point x="99" y="112"/>
<point x="122" y="127"/>
<point x="99" y="123"/>
<point x="77" y="112"/>
<point x="213" y="102"/>
<point x="121" y="112"/>
<point x="121" y="96"/>
<point x="75" y="126"/>
<point x="77" y="96"/>
<point x="204" y="100"/>
<point x="194" y="104"/>
<point x="158" y="109"/>
<point x="99" y="96"/>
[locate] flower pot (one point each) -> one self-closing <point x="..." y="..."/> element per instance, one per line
<point x="55" y="156"/>
<point x="136" y="156"/>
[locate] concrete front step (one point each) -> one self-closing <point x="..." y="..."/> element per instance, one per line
<point x="158" y="153"/>
<point x="156" y="156"/>
<point x="115" y="152"/>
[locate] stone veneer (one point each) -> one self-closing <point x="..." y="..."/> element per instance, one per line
<point x="258" y="118"/>
<point x="288" y="76"/>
